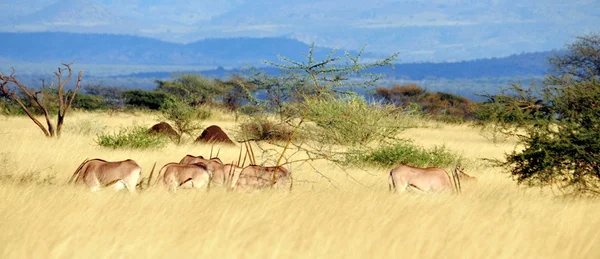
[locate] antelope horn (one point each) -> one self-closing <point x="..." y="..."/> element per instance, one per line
<point x="239" y="157"/>
<point x="151" y="173"/>
<point x="253" y="160"/>
<point x="458" y="181"/>
<point x="77" y="171"/>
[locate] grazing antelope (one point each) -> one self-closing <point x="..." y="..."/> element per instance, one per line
<point x="424" y="179"/>
<point x="214" y="165"/>
<point x="260" y="177"/>
<point x="174" y="175"/>
<point x="98" y="173"/>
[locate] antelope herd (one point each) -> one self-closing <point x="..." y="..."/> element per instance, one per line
<point x="197" y="172"/>
<point x="190" y="172"/>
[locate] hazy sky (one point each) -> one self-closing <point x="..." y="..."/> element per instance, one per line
<point x="419" y="30"/>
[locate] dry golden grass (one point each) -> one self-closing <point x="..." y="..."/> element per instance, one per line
<point x="491" y="219"/>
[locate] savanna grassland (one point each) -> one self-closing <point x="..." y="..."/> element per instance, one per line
<point x="355" y="217"/>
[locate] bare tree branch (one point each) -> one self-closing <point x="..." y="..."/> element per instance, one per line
<point x="38" y="98"/>
<point x="12" y="95"/>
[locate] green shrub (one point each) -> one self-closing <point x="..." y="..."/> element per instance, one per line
<point x="131" y="137"/>
<point x="352" y="122"/>
<point x="250" y="109"/>
<point x="203" y="112"/>
<point x="89" y="102"/>
<point x="183" y="118"/>
<point x="9" y="107"/>
<point x="148" y="99"/>
<point x="406" y="153"/>
<point x="192" y="89"/>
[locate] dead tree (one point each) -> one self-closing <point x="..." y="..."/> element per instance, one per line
<point x="36" y="98"/>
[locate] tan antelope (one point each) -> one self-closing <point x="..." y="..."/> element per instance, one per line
<point x="174" y="176"/>
<point x="260" y="177"/>
<point x="431" y="179"/>
<point x="97" y="174"/>
<point x="214" y="165"/>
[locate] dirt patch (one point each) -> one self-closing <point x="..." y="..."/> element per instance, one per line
<point x="214" y="134"/>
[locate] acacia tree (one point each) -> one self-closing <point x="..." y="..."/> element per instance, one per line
<point x="557" y="124"/>
<point x="581" y="60"/>
<point x="320" y="84"/>
<point x="236" y="91"/>
<point x="280" y="90"/>
<point x="185" y="119"/>
<point x="38" y="98"/>
<point x="192" y="89"/>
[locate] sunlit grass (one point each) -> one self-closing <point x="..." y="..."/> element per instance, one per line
<point x="354" y="216"/>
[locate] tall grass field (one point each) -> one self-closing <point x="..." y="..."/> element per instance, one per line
<point x="332" y="212"/>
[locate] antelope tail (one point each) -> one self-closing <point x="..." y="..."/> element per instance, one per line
<point x="416" y="187"/>
<point x="210" y="178"/>
<point x="76" y="173"/>
<point x="186" y="181"/>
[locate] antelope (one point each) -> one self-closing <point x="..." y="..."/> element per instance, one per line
<point x="214" y="165"/>
<point x="175" y="176"/>
<point x="98" y="173"/>
<point x="432" y="179"/>
<point x="260" y="177"/>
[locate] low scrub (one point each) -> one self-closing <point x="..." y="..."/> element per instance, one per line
<point x="132" y="137"/>
<point x="184" y="119"/>
<point x="353" y="122"/>
<point x="265" y="129"/>
<point x="406" y="153"/>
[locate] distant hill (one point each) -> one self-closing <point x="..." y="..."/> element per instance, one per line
<point x="55" y="47"/>
<point x="518" y="65"/>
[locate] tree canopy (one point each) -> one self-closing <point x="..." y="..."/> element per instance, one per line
<point x="557" y="123"/>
